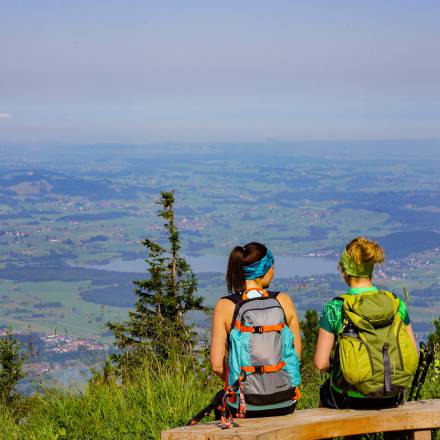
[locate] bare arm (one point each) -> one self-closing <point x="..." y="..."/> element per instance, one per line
<point x="323" y="349"/>
<point x="292" y="320"/>
<point x="219" y="334"/>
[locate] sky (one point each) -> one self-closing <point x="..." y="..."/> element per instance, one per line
<point x="142" y="71"/>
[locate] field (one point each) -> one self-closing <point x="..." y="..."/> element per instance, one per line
<point x="73" y="208"/>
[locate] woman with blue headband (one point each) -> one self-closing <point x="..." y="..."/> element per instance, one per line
<point x="369" y="331"/>
<point x="256" y="338"/>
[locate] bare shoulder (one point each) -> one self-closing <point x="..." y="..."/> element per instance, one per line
<point x="285" y="299"/>
<point x="223" y="312"/>
<point x="289" y="309"/>
<point x="224" y="306"/>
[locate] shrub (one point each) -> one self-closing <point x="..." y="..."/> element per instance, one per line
<point x="161" y="395"/>
<point x="11" y="368"/>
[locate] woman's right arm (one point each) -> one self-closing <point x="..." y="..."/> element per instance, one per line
<point x="324" y="347"/>
<point x="292" y="320"/>
<point x="219" y="336"/>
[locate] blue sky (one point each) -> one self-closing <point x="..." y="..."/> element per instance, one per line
<point x="140" y="71"/>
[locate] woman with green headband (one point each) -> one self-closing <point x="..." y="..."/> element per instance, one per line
<point x="356" y="265"/>
<point x="256" y="332"/>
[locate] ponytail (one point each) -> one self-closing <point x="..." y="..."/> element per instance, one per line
<point x="235" y="280"/>
<point x="239" y="257"/>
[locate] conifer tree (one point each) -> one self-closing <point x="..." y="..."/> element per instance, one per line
<point x="11" y="367"/>
<point x="158" y="321"/>
<point x="434" y="337"/>
<point x="310" y="329"/>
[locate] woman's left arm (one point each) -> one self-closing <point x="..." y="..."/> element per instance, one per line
<point x="219" y="336"/>
<point x="292" y="320"/>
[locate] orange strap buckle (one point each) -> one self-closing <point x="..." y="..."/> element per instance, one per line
<point x="263" y="368"/>
<point x="259" y="328"/>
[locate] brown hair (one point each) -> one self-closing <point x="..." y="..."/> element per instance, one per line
<point x="239" y="257"/>
<point x="363" y="250"/>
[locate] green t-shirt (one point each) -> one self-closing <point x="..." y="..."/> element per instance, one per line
<point x="331" y="316"/>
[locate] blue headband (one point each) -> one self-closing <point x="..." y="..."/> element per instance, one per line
<point x="260" y="267"/>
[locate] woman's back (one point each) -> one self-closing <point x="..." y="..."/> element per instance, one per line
<point x="225" y="308"/>
<point x="375" y="343"/>
<point x="259" y="328"/>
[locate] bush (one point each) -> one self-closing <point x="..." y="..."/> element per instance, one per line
<point x="11" y="368"/>
<point x="162" y="395"/>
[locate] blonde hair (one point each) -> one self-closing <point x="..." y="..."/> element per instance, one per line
<point x="363" y="250"/>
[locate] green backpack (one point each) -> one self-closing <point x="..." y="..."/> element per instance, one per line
<point x="376" y="354"/>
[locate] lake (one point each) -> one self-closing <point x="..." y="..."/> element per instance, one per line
<point x="285" y="266"/>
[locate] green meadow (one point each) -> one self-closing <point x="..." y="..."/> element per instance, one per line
<point x="162" y="395"/>
<point x="71" y="315"/>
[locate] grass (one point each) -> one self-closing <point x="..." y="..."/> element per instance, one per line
<point x="77" y="316"/>
<point x="162" y="395"/>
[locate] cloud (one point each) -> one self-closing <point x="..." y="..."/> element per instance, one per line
<point x="5" y="115"/>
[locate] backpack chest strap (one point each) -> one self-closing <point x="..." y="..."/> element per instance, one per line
<point x="259" y="328"/>
<point x="263" y="368"/>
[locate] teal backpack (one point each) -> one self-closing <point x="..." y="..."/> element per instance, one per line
<point x="261" y="349"/>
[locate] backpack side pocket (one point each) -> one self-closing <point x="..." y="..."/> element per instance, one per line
<point x="408" y="352"/>
<point x="355" y="360"/>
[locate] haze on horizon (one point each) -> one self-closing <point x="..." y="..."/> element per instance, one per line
<point x="144" y="71"/>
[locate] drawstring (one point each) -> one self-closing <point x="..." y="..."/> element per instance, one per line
<point x="226" y="420"/>
<point x="242" y="405"/>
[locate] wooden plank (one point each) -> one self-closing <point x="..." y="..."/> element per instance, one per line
<point x="422" y="435"/>
<point x="318" y="423"/>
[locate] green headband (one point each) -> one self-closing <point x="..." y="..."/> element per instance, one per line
<point x="350" y="267"/>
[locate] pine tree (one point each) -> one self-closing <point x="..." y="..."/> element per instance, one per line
<point x="434" y="337"/>
<point x="11" y="367"/>
<point x="310" y="329"/>
<point x="158" y="321"/>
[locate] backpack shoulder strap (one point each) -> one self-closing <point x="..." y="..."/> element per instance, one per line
<point x="341" y="298"/>
<point x="273" y="294"/>
<point x="235" y="298"/>
<point x="238" y="301"/>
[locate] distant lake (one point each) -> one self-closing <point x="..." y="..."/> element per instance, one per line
<point x="285" y="266"/>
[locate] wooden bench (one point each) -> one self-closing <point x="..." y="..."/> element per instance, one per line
<point x="418" y="417"/>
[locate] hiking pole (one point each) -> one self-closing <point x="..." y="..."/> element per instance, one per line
<point x="429" y="357"/>
<point x="416" y="378"/>
<point x="215" y="402"/>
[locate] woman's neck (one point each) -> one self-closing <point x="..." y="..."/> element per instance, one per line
<point x="360" y="282"/>
<point x="254" y="284"/>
